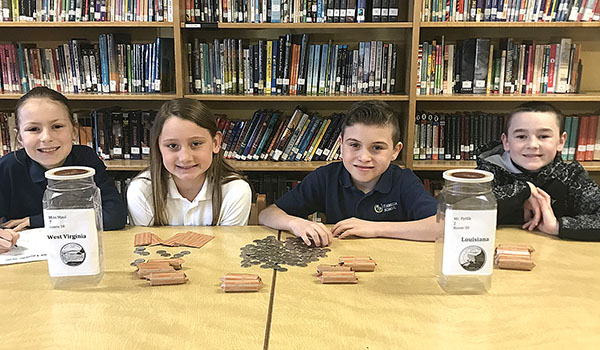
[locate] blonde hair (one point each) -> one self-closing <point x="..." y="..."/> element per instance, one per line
<point x="218" y="173"/>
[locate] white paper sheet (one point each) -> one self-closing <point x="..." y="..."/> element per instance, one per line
<point x="30" y="247"/>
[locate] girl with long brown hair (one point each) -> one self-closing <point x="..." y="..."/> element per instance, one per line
<point x="188" y="182"/>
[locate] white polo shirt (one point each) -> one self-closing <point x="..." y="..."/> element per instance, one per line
<point x="235" y="207"/>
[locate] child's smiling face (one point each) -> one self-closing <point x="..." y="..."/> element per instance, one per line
<point x="46" y="131"/>
<point x="533" y="139"/>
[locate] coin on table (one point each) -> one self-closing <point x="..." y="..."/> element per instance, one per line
<point x="185" y="252"/>
<point x="144" y="253"/>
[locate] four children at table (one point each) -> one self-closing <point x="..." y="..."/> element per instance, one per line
<point x="364" y="195"/>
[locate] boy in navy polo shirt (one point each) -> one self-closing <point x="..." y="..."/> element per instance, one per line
<point x="364" y="195"/>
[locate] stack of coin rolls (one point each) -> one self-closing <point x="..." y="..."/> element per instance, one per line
<point x="514" y="257"/>
<point x="358" y="263"/>
<point x="241" y="282"/>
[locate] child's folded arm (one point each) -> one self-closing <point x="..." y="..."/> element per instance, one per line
<point x="276" y="218"/>
<point x="584" y="197"/>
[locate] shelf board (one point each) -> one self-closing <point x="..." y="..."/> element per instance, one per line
<point x="583" y="97"/>
<point x="332" y="98"/>
<point x="87" y="24"/>
<point x="104" y="97"/>
<point x="442" y="165"/>
<point x="510" y="24"/>
<point x="263" y="165"/>
<point x="139" y="165"/>
<point x="384" y="25"/>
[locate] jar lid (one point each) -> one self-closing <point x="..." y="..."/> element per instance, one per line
<point x="468" y="175"/>
<point x="70" y="173"/>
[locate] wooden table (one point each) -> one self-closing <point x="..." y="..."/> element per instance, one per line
<point x="123" y="312"/>
<point x="399" y="306"/>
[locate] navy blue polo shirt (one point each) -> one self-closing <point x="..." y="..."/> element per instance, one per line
<point x="399" y="195"/>
<point x="22" y="186"/>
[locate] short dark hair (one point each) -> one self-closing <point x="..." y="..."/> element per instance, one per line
<point x="373" y="112"/>
<point x="535" y="106"/>
<point x="44" y="92"/>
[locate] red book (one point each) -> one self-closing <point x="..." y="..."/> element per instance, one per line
<point x="530" y="65"/>
<point x="582" y="138"/>
<point x="591" y="137"/>
<point x="551" y="68"/>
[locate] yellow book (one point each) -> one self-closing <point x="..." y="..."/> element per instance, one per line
<point x="490" y="65"/>
<point x="269" y="66"/>
<point x="315" y="145"/>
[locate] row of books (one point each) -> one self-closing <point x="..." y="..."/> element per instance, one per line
<point x="86" y="10"/>
<point x="119" y="134"/>
<point x="510" y="10"/>
<point x="583" y="138"/>
<point x="291" y="11"/>
<point x="270" y="135"/>
<point x="454" y="136"/>
<point x="480" y="66"/>
<point x="8" y="137"/>
<point x="291" y="65"/>
<point x="82" y="67"/>
<point x="272" y="185"/>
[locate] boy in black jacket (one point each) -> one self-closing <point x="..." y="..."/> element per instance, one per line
<point x="532" y="184"/>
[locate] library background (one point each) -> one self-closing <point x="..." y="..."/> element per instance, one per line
<point x="279" y="74"/>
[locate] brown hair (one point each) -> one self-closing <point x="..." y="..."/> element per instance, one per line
<point x="541" y="107"/>
<point x="218" y="173"/>
<point x="373" y="112"/>
<point x="44" y="92"/>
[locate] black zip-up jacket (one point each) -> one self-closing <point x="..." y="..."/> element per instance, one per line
<point x="575" y="196"/>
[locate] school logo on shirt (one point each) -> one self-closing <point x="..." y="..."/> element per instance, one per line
<point x="385" y="207"/>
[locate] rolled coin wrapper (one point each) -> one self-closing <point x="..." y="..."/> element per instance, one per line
<point x="175" y="263"/>
<point x="144" y="269"/>
<point x="166" y="278"/>
<point x="339" y="277"/>
<point x="322" y="268"/>
<point x="514" y="257"/>
<point x="241" y="282"/>
<point x="358" y="263"/>
<point x="146" y="238"/>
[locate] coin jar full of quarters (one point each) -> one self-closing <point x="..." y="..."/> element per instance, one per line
<point x="73" y="227"/>
<point x="464" y="250"/>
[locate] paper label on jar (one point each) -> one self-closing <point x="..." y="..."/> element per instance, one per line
<point x="469" y="242"/>
<point x="72" y="242"/>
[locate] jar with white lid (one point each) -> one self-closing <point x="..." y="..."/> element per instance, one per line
<point x="467" y="209"/>
<point x="73" y="227"/>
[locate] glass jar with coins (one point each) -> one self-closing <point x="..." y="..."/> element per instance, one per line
<point x="73" y="227"/>
<point x="464" y="254"/>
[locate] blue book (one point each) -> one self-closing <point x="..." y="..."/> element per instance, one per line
<point x="104" y="63"/>
<point x="274" y="67"/>
<point x="317" y="65"/>
<point x="276" y="11"/>
<point x="24" y="83"/>
<point x="309" y="69"/>
<point x="323" y="69"/>
<point x="307" y="140"/>
<point x="301" y="137"/>
<point x="266" y="135"/>
<point x="264" y="118"/>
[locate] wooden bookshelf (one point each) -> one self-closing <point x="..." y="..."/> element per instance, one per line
<point x="409" y="33"/>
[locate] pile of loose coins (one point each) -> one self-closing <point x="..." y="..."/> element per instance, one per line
<point x="270" y="253"/>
